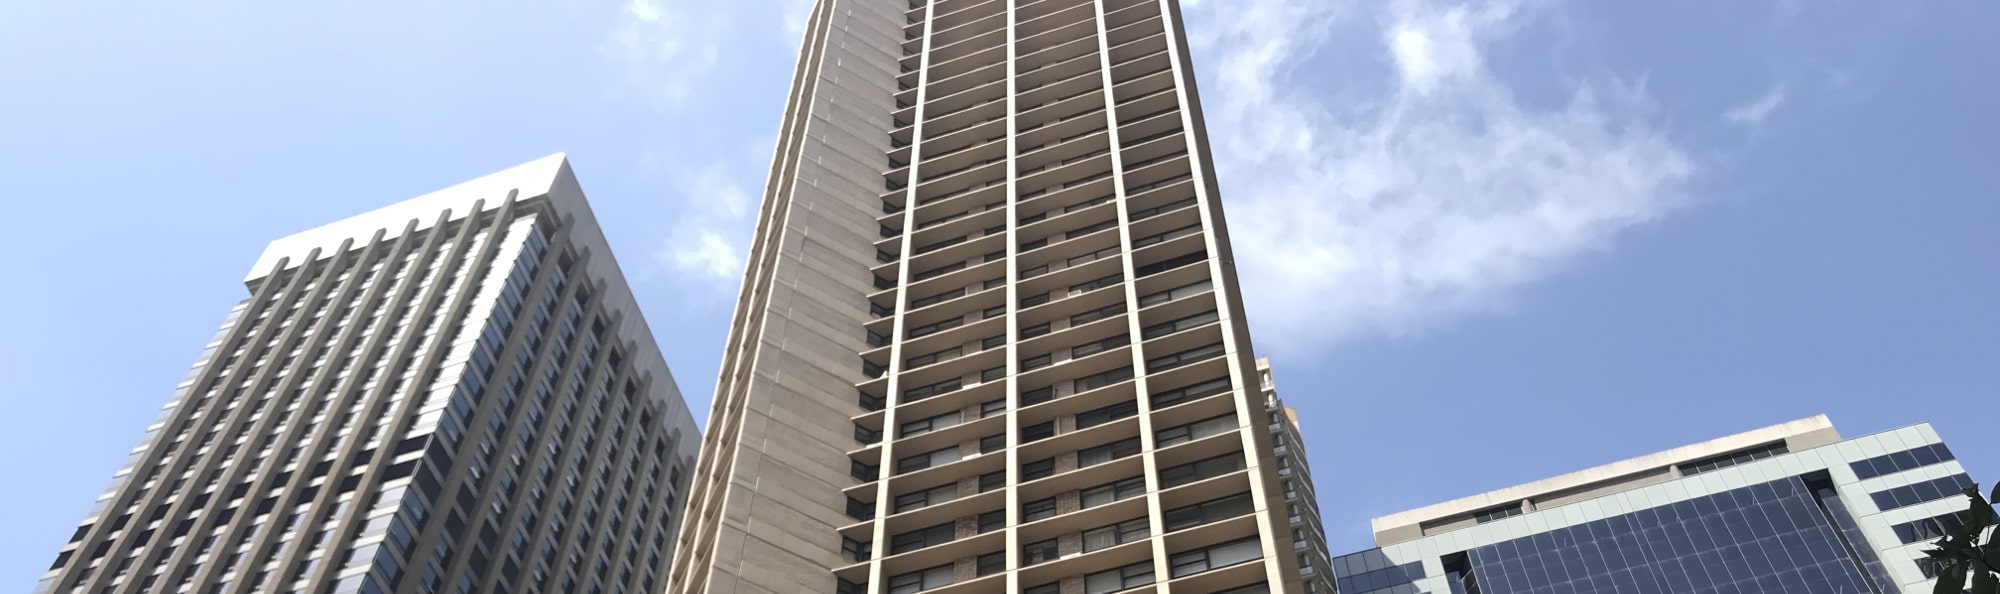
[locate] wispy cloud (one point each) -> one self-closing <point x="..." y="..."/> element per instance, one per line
<point x="794" y="14"/>
<point x="666" y="46"/>
<point x="705" y="239"/>
<point x="1756" y="111"/>
<point x="1388" y="211"/>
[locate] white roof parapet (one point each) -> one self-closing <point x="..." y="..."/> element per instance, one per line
<point x="548" y="177"/>
<point x="1560" y="483"/>
<point x="533" y="179"/>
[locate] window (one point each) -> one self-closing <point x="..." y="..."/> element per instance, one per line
<point x="920" y="580"/>
<point x="1048" y="588"/>
<point x="930" y="329"/>
<point x="1037" y="469"/>
<point x="940" y="271"/>
<point x="1171" y="263"/>
<point x="992" y="480"/>
<point x="992" y="443"/>
<point x="1039" y="552"/>
<point x="1913" y="494"/>
<point x="1192" y="392"/>
<point x="1113" y="491"/>
<point x="1208" y="511"/>
<point x="1929" y="529"/>
<point x="1105" y="537"/>
<point x="934" y="299"/>
<point x="1901" y="461"/>
<point x="1097" y="314"/>
<point x="857" y="469"/>
<point x="1166" y="236"/>
<point x="1165" y="328"/>
<point x="1183" y="358"/>
<point x="1038" y="431"/>
<point x="922" y="426"/>
<point x="1102" y="282"/>
<point x="1929" y="567"/>
<point x="1107" y="452"/>
<point x="1100" y="416"/>
<point x="1099" y="380"/>
<point x="1216" y="556"/>
<point x="1397" y="575"/>
<point x="1123" y="578"/>
<point x="1734" y="458"/>
<point x="993" y="520"/>
<point x="1092" y="348"/>
<point x="1176" y="293"/>
<point x="929" y="459"/>
<point x="855" y="550"/>
<point x="927" y="497"/>
<point x="992" y="407"/>
<point x="991" y="563"/>
<point x="859" y="509"/>
<point x="922" y="537"/>
<point x="1196" y="430"/>
<point x="1495" y="513"/>
<point x="1038" y="396"/>
<point x="927" y="359"/>
<point x="1036" y="362"/>
<point x="1037" y="510"/>
<point x="922" y="392"/>
<point x="1201" y="469"/>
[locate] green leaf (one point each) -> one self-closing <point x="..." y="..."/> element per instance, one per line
<point x="1951" y="580"/>
<point x="1985" y="582"/>
<point x="1992" y="555"/>
<point x="1982" y="512"/>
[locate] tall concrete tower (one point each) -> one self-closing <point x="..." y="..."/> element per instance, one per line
<point x="990" y="337"/>
<point x="455" y="393"/>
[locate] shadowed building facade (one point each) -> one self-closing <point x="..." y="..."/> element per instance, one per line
<point x="455" y="393"/>
<point x="990" y="337"/>
<point x="1790" y="508"/>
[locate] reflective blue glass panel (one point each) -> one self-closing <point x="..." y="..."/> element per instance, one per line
<point x="1923" y="492"/>
<point x="1770" y="537"/>
<point x="1900" y="461"/>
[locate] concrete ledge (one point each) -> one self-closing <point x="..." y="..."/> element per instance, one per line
<point x="1595" y="482"/>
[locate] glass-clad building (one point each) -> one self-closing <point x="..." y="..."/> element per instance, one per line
<point x="1789" y="508"/>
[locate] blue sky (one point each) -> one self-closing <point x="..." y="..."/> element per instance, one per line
<point x="1483" y="243"/>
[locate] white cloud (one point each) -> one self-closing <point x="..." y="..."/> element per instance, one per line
<point x="1383" y="212"/>
<point x="795" y="13"/>
<point x="666" y="46"/>
<point x="1758" y="110"/>
<point x="714" y="209"/>
<point x="1436" y="47"/>
<point x="705" y="251"/>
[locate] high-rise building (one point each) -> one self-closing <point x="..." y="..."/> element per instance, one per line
<point x="1295" y="477"/>
<point x="1787" y="508"/>
<point x="990" y="337"/>
<point x="455" y="393"/>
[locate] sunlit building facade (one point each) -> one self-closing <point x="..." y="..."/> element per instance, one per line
<point x="455" y="393"/>
<point x="990" y="337"/>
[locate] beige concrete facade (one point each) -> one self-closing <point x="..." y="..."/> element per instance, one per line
<point x="989" y="338"/>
